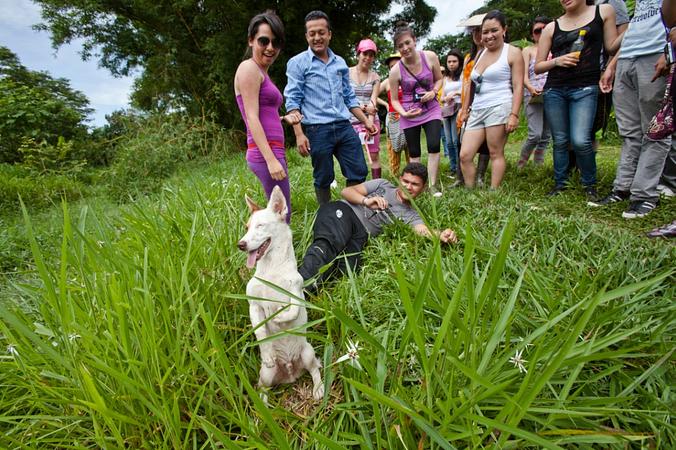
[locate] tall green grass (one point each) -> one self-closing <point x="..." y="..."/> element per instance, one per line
<point x="132" y="331"/>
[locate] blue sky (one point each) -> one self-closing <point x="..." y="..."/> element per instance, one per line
<point x="106" y="93"/>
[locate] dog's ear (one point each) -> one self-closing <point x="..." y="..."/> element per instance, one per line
<point x="253" y="207"/>
<point x="277" y="202"/>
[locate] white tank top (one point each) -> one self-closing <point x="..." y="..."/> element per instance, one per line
<point x="496" y="84"/>
<point x="452" y="86"/>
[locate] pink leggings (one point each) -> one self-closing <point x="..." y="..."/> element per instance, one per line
<point x="260" y="169"/>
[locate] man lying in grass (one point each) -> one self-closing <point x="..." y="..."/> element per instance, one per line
<point x="343" y="227"/>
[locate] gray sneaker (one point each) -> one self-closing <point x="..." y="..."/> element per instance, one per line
<point x="639" y="209"/>
<point x="613" y="197"/>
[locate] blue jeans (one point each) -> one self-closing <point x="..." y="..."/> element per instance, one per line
<point x="451" y="140"/>
<point x="570" y="113"/>
<point x="339" y="139"/>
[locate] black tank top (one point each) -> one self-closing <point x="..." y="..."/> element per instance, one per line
<point x="588" y="69"/>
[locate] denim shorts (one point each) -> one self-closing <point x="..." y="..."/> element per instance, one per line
<point x="489" y="117"/>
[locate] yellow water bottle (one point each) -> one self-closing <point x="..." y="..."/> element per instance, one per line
<point x="577" y="46"/>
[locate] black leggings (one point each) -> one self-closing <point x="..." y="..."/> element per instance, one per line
<point x="432" y="133"/>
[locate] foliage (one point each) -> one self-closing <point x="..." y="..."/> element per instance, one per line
<point x="441" y="45"/>
<point x="36" y="190"/>
<point x="187" y="52"/>
<point x="34" y="105"/>
<point x="103" y="141"/>
<point x="153" y="148"/>
<point x="136" y="333"/>
<point x="520" y="14"/>
<point x="45" y="158"/>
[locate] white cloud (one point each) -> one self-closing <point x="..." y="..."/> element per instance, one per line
<point x="18" y="14"/>
<point x="450" y="13"/>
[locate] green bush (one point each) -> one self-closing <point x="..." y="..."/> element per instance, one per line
<point x="153" y="151"/>
<point x="36" y="190"/>
<point x="45" y="158"/>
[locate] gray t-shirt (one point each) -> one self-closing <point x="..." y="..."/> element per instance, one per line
<point x="374" y="219"/>
<point x="646" y="34"/>
<point x="621" y="14"/>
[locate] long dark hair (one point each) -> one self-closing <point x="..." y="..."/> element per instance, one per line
<point x="269" y="17"/>
<point x="454" y="75"/>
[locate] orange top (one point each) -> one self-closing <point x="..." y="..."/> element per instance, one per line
<point x="466" y="72"/>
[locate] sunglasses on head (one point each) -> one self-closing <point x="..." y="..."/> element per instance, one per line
<point x="264" y="41"/>
<point x="538" y="30"/>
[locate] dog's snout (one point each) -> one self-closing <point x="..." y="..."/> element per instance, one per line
<point x="241" y="245"/>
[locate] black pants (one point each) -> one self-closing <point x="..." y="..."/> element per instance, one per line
<point x="337" y="233"/>
<point x="432" y="133"/>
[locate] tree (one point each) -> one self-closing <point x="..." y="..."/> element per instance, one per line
<point x="520" y="14"/>
<point x="34" y="105"/>
<point x="441" y="45"/>
<point x="188" y="51"/>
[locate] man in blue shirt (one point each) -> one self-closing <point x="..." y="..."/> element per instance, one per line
<point x="319" y="88"/>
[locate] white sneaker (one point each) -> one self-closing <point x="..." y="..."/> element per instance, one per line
<point x="665" y="191"/>
<point x="334" y="184"/>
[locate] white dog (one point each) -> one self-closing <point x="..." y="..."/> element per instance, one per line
<point x="270" y="248"/>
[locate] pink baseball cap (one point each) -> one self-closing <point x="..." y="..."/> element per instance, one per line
<point x="365" y="45"/>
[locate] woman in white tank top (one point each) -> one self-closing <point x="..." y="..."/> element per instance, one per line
<point x="498" y="90"/>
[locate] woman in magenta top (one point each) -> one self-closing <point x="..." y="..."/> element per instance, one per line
<point x="419" y="76"/>
<point x="259" y="101"/>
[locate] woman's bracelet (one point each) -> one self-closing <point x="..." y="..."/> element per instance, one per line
<point x="515" y="115"/>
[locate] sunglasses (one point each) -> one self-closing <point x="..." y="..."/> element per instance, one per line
<point x="538" y="30"/>
<point x="477" y="83"/>
<point x="264" y="41"/>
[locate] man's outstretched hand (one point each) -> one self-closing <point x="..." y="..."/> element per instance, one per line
<point x="448" y="236"/>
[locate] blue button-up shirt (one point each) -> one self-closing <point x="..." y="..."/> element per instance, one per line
<point x="321" y="91"/>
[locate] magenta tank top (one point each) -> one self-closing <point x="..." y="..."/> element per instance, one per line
<point x="411" y="86"/>
<point x="269" y="101"/>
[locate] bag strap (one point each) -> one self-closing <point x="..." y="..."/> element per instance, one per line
<point x="417" y="80"/>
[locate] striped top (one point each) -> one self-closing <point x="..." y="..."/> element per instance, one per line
<point x="321" y="91"/>
<point x="363" y="92"/>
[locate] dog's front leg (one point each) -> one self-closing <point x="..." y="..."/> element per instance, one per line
<point x="312" y="365"/>
<point x="289" y="313"/>
<point x="257" y="316"/>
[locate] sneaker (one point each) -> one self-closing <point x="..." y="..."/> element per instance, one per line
<point x="457" y="184"/>
<point x="334" y="184"/>
<point x="639" y="208"/>
<point x="667" y="231"/>
<point x="591" y="193"/>
<point x="558" y="190"/>
<point x="613" y="197"/>
<point x="435" y="191"/>
<point x="665" y="191"/>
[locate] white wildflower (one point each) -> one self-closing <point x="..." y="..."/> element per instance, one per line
<point x="11" y="349"/>
<point x="352" y="355"/>
<point x="73" y="336"/>
<point x="518" y="361"/>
